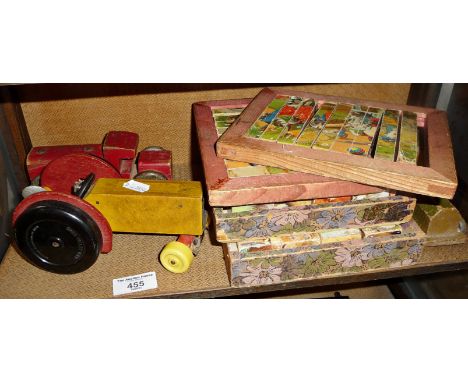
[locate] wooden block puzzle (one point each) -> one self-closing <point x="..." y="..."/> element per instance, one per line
<point x="300" y="240"/>
<point x="369" y="142"/>
<point x="233" y="182"/>
<point x="258" y="267"/>
<point x="223" y="118"/>
<point x="386" y="143"/>
<point x="266" y="220"/>
<point x="408" y="147"/>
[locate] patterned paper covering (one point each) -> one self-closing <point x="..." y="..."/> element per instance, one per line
<point x="264" y="221"/>
<point x="307" y="262"/>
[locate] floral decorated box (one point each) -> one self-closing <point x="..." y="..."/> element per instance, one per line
<point x="250" y="268"/>
<point x="266" y="220"/>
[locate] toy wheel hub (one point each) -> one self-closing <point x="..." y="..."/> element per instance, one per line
<point x="176" y="257"/>
<point x="58" y="236"/>
<point x="56" y="244"/>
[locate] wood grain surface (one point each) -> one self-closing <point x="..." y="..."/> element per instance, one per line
<point x="225" y="191"/>
<point x="436" y="178"/>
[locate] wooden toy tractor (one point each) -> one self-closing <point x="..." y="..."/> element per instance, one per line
<point x="81" y="194"/>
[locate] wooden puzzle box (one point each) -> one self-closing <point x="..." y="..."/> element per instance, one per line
<point x="262" y="221"/>
<point x="234" y="183"/>
<point x="398" y="147"/>
<point x="248" y="266"/>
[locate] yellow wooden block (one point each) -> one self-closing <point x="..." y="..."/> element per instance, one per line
<point x="168" y="207"/>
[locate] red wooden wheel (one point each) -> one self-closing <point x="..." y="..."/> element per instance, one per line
<point x="61" y="174"/>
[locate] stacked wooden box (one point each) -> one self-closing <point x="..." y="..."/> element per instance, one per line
<point x="277" y="225"/>
<point x="286" y="241"/>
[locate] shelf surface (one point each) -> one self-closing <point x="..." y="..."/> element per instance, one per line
<point x="134" y="254"/>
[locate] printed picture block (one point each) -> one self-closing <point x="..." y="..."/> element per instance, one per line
<point x="251" y="268"/>
<point x="264" y="221"/>
<point x="397" y="147"/>
<point x="234" y="182"/>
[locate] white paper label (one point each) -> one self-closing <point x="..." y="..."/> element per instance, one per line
<point x="136" y="186"/>
<point x="137" y="283"/>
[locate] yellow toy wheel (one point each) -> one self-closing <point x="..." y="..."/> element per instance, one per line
<point x="176" y="257"/>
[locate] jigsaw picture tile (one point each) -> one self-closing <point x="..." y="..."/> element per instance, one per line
<point x="337" y="235"/>
<point x="370" y="123"/>
<point x="297" y="122"/>
<point x="362" y="130"/>
<point x="388" y="134"/>
<point x="314" y="127"/>
<point x="339" y="115"/>
<point x="362" y="149"/>
<point x="279" y="102"/>
<point x="360" y="108"/>
<point x="408" y="144"/>
<point x="296" y="240"/>
<point x="351" y="128"/>
<point x="222" y="124"/>
<point x="332" y="127"/>
<point x="267" y="116"/>
<point x="276" y="170"/>
<point x="376" y="196"/>
<point x="226" y="112"/>
<point x="264" y="208"/>
<point x="221" y="130"/>
<point x="257" y="129"/>
<point x="341" y="146"/>
<point x="280" y="122"/>
<point x="332" y="200"/>
<point x="383" y="230"/>
<point x="223" y="119"/>
<point x="238" y="169"/>
<point x="235" y="164"/>
<point x="421" y="119"/>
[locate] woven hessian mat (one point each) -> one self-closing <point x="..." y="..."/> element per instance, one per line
<point x="161" y="119"/>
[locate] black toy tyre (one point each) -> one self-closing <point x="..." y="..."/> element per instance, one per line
<point x="58" y="237"/>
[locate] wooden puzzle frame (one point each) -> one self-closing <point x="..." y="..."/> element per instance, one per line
<point x="437" y="178"/>
<point x="225" y="191"/>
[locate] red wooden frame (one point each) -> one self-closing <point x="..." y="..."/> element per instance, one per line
<point x="225" y="191"/>
<point x="436" y="178"/>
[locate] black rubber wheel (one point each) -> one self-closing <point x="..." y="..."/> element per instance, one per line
<point x="58" y="237"/>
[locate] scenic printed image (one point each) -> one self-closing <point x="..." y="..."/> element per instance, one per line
<point x="340" y="127"/>
<point x="225" y="117"/>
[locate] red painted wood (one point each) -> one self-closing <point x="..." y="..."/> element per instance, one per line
<point x="186" y="239"/>
<point x="156" y="160"/>
<point x="126" y="168"/>
<point x="97" y="216"/>
<point x="225" y="191"/>
<point x="41" y="156"/>
<point x="437" y="177"/>
<point x="119" y="145"/>
<point x="62" y="173"/>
